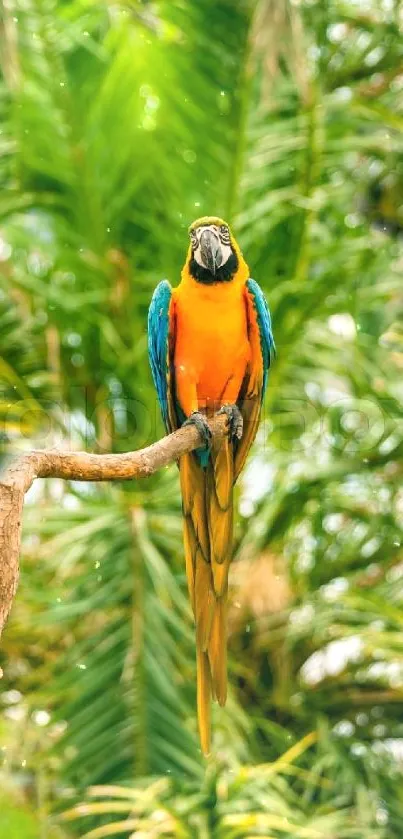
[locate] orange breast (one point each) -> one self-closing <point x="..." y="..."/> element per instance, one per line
<point x="212" y="348"/>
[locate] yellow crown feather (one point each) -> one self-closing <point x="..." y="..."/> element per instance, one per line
<point x="206" y="220"/>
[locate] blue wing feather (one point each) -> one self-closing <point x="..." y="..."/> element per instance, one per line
<point x="264" y="322"/>
<point x="159" y="333"/>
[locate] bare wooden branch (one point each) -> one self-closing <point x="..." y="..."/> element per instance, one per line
<point x="76" y="466"/>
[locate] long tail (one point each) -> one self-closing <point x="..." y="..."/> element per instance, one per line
<point x="208" y="523"/>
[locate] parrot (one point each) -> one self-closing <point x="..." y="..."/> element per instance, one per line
<point x="210" y="345"/>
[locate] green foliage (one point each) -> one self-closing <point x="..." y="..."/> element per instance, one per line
<point x="15" y="822"/>
<point x="120" y="123"/>
<point x="24" y="383"/>
<point x="257" y="798"/>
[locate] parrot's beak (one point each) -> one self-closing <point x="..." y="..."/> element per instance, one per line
<point x="210" y="250"/>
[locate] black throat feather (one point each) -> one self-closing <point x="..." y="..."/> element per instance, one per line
<point x="222" y="275"/>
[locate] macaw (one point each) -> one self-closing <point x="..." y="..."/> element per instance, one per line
<point x="210" y="346"/>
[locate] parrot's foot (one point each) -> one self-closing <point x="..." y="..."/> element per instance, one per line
<point x="235" y="420"/>
<point x="199" y="420"/>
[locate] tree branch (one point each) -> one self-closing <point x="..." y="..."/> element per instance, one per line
<point x="77" y="466"/>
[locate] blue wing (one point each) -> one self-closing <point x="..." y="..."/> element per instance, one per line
<point x="253" y="387"/>
<point x="161" y="340"/>
<point x="267" y="344"/>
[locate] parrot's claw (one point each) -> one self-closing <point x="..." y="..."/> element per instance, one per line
<point x="199" y="420"/>
<point x="235" y="420"/>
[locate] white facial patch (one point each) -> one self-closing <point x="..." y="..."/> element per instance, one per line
<point x="222" y="236"/>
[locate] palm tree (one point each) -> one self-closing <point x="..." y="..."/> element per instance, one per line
<point x="120" y="123"/>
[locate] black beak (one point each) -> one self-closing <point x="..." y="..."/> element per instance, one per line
<point x="210" y="250"/>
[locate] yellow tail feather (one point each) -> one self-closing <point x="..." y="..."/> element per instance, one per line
<point x="208" y="517"/>
<point x="217" y="650"/>
<point x="204" y="700"/>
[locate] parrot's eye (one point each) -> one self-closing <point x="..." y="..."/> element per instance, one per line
<point x="193" y="239"/>
<point x="224" y="234"/>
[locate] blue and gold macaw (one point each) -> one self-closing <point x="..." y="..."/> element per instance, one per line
<point x="210" y="348"/>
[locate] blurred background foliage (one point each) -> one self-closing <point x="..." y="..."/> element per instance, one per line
<point x="119" y="124"/>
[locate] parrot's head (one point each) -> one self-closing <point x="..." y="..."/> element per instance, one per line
<point x="213" y="255"/>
